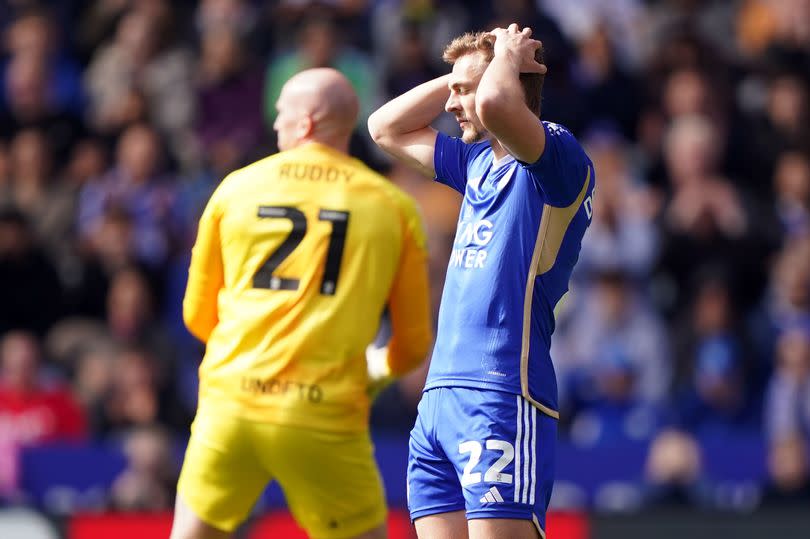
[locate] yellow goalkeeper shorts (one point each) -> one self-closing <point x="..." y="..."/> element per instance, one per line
<point x="330" y="480"/>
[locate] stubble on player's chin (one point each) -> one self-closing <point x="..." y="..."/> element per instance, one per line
<point x="471" y="136"/>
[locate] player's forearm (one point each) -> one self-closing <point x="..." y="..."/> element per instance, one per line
<point x="413" y="110"/>
<point x="199" y="316"/>
<point x="499" y="92"/>
<point x="409" y="307"/>
<point x="199" y="303"/>
<point x="406" y="354"/>
<point x="205" y="278"/>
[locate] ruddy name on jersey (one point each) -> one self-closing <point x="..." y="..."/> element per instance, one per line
<point x="315" y="173"/>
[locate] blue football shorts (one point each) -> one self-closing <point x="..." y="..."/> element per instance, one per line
<point x="487" y="452"/>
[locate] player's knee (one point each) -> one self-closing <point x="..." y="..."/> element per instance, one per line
<point x="502" y="528"/>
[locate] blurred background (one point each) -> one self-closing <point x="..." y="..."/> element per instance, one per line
<point x="682" y="351"/>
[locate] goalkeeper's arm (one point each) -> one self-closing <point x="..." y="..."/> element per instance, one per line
<point x="409" y="312"/>
<point x="205" y="275"/>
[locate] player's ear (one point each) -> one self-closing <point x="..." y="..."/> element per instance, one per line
<point x="305" y="126"/>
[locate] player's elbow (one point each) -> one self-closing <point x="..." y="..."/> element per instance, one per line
<point x="198" y="325"/>
<point x="489" y="107"/>
<point x="198" y="330"/>
<point x="378" y="128"/>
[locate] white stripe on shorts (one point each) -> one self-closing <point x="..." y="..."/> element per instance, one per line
<point x="527" y="457"/>
<point x="534" y="454"/>
<point x="519" y="416"/>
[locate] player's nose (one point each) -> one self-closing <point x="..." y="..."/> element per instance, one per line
<point x="452" y="104"/>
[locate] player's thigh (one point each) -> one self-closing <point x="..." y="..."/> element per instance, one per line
<point x="433" y="484"/>
<point x="222" y="476"/>
<point x="501" y="528"/>
<point x="452" y="525"/>
<point x="503" y="450"/>
<point x="187" y="525"/>
<point x="330" y="481"/>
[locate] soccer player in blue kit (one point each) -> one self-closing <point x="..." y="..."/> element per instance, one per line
<point x="481" y="460"/>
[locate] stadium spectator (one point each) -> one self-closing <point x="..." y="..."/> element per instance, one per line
<point x="607" y="410"/>
<point x="33" y="410"/>
<point x="411" y="63"/>
<point x="788" y="395"/>
<point x="623" y="235"/>
<point x="233" y="16"/>
<point x="789" y="473"/>
<point x="148" y="481"/>
<point x="49" y="205"/>
<point x="706" y="222"/>
<point x="229" y="94"/>
<point x="779" y="124"/>
<point x="93" y="366"/>
<point x="129" y="319"/>
<point x="139" y="396"/>
<point x="786" y="303"/>
<point x="109" y="248"/>
<point x="131" y="314"/>
<point x="137" y="185"/>
<point x="791" y="186"/>
<point x="29" y="284"/>
<point x="615" y="328"/>
<point x="622" y="21"/>
<point x="319" y="44"/>
<point x="88" y="161"/>
<point x="350" y="15"/>
<point x="390" y="20"/>
<point x="610" y="92"/>
<point x="673" y="470"/>
<point x="34" y="34"/>
<point x="29" y="104"/>
<point x="140" y="74"/>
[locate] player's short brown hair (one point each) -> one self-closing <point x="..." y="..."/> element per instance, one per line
<point x="480" y="42"/>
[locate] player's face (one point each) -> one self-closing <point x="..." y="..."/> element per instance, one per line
<point x="464" y="79"/>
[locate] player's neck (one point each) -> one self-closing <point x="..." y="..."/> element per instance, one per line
<point x="340" y="145"/>
<point x="498" y="151"/>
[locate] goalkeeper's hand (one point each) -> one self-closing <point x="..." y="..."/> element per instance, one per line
<point x="379" y="374"/>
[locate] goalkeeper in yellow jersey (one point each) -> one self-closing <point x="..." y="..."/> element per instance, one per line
<point x="296" y="258"/>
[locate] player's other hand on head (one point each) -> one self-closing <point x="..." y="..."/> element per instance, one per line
<point x="519" y="43"/>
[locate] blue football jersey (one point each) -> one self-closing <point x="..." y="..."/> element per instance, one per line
<point x="519" y="233"/>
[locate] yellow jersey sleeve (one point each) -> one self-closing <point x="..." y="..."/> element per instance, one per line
<point x="409" y="300"/>
<point x="205" y="275"/>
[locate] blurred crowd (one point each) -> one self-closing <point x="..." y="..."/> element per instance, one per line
<point x="688" y="317"/>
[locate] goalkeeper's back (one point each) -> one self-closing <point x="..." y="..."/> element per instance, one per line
<point x="296" y="258"/>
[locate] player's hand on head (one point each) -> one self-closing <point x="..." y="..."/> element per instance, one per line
<point x="520" y="43"/>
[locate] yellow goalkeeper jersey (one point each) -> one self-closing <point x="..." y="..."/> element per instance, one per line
<point x="296" y="258"/>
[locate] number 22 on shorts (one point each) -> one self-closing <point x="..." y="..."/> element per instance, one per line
<point x="494" y="473"/>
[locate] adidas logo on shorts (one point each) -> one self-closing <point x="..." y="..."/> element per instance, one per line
<point x="493" y="496"/>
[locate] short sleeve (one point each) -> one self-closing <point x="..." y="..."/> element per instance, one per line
<point x="451" y="157"/>
<point x="562" y="169"/>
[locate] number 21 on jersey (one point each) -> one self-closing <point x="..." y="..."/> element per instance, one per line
<point x="265" y="276"/>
